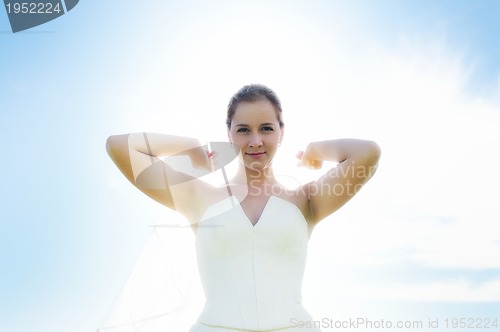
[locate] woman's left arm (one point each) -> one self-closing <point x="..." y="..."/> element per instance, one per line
<point x="357" y="162"/>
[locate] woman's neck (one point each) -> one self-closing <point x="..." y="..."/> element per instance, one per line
<point x="255" y="180"/>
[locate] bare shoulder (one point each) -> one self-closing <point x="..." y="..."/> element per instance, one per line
<point x="204" y="196"/>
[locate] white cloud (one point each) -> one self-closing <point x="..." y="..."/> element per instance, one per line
<point x="433" y="201"/>
<point x="460" y="290"/>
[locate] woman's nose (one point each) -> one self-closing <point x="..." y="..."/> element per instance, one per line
<point x="255" y="140"/>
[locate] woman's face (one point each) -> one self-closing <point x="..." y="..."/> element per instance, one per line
<point x="255" y="130"/>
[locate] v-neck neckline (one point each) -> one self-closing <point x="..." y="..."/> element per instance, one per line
<point x="261" y="215"/>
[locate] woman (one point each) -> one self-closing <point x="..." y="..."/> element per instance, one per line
<point x="252" y="233"/>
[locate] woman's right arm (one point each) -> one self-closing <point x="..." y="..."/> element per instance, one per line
<point x="137" y="155"/>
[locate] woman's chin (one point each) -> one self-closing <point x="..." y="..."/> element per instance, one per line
<point x="257" y="166"/>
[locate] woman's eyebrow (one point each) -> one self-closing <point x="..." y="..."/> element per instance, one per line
<point x="262" y="124"/>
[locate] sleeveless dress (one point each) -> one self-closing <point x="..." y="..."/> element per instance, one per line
<point x="252" y="274"/>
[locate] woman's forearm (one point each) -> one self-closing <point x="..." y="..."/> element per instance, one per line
<point x="134" y="153"/>
<point x="152" y="144"/>
<point x="160" y="145"/>
<point x="339" y="150"/>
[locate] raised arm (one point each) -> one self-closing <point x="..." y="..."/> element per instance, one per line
<point x="357" y="162"/>
<point x="137" y="155"/>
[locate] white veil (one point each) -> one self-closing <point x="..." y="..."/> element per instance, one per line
<point x="163" y="291"/>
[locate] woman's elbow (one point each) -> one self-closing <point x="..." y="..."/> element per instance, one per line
<point x="114" y="144"/>
<point x="372" y="153"/>
<point x="375" y="149"/>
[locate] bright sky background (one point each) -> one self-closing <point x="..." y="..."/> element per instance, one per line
<point x="422" y="78"/>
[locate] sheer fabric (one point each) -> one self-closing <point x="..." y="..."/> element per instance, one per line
<point x="163" y="291"/>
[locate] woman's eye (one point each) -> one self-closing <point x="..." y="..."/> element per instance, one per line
<point x="267" y="128"/>
<point x="242" y="130"/>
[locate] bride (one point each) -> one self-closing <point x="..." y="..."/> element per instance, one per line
<point x="251" y="233"/>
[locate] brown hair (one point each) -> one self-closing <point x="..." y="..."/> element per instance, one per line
<point x="252" y="93"/>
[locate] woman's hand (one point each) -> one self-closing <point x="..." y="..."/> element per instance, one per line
<point x="307" y="160"/>
<point x="202" y="159"/>
<point x="213" y="156"/>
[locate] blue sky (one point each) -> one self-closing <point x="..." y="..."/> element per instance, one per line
<point x="422" y="78"/>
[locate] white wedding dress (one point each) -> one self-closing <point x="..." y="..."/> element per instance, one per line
<point x="251" y="276"/>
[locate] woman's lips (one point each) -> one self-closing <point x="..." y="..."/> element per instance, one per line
<point x="256" y="154"/>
